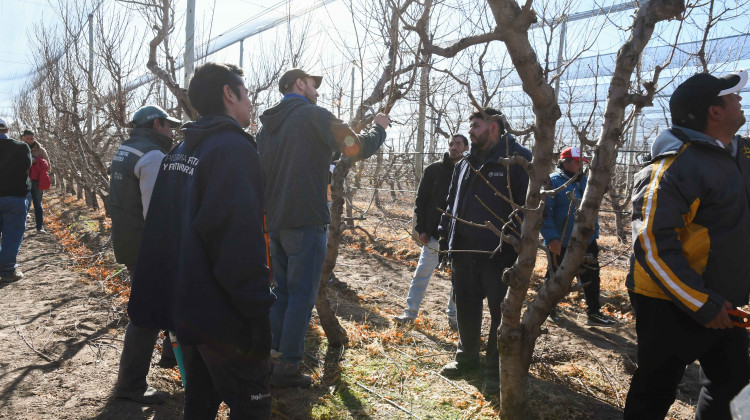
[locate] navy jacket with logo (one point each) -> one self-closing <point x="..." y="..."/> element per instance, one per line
<point x="202" y="264"/>
<point x="467" y="189"/>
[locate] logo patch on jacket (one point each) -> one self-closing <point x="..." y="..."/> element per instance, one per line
<point x="494" y="174"/>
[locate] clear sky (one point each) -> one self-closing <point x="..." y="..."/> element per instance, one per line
<point x="213" y="18"/>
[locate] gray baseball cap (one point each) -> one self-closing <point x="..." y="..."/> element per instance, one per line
<point x="149" y="113"/>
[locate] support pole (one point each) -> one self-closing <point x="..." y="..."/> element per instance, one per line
<point x="189" y="41"/>
<point x="90" y="111"/>
<point x="563" y="31"/>
<point x="242" y="51"/>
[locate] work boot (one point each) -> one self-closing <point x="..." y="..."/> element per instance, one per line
<point x="287" y="375"/>
<point x="12" y="277"/>
<point x="454" y="369"/>
<point x="600" y="320"/>
<point x="146" y="396"/>
<point x="403" y="319"/>
<point x="491" y="384"/>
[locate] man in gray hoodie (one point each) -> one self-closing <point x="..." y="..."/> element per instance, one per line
<point x="295" y="144"/>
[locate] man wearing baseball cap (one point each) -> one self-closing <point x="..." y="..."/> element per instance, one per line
<point x="558" y="228"/>
<point x="295" y="144"/>
<point x="133" y="174"/>
<point x="15" y="161"/>
<point x="691" y="263"/>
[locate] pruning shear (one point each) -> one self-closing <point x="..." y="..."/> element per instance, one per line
<point x="739" y="318"/>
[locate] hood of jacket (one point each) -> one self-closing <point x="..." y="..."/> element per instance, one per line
<point x="670" y="141"/>
<point x="196" y="131"/>
<point x="274" y="117"/>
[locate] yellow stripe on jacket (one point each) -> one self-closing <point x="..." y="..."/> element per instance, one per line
<point x="695" y="245"/>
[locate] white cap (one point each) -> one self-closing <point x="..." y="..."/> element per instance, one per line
<point x="3" y="124"/>
<point x="739" y="78"/>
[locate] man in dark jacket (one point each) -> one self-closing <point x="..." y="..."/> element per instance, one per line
<point x="133" y="173"/>
<point x="476" y="274"/>
<point x="202" y="265"/>
<point x="15" y="162"/>
<point x="433" y="189"/>
<point x="691" y="263"/>
<point x="295" y="145"/>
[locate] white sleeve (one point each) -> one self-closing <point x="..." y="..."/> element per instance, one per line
<point x="146" y="170"/>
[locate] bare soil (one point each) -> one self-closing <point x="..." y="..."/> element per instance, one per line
<point x="61" y="335"/>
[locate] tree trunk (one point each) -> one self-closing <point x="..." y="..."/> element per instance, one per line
<point x="335" y="333"/>
<point x="620" y="216"/>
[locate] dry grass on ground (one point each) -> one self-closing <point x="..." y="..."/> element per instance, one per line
<point x="392" y="372"/>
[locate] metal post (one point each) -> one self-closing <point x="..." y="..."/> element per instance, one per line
<point x="632" y="153"/>
<point x="189" y="40"/>
<point x="242" y="51"/>
<point x="563" y="31"/>
<point x="351" y="98"/>
<point x="424" y="86"/>
<point x="90" y="112"/>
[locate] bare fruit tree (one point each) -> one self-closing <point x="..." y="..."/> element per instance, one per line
<point x="519" y="330"/>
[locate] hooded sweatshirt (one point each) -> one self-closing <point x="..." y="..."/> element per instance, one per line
<point x="295" y="144"/>
<point x="691" y="221"/>
<point x="202" y="264"/>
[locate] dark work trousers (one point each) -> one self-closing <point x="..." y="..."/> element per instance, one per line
<point x="474" y="277"/>
<point x="137" y="348"/>
<point x="589" y="274"/>
<point x="216" y="373"/>
<point x="669" y="340"/>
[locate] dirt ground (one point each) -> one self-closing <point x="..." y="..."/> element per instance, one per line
<point x="61" y="336"/>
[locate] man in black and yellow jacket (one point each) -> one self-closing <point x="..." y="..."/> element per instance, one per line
<point x="690" y="262"/>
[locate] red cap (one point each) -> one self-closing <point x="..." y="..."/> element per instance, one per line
<point x="573" y="153"/>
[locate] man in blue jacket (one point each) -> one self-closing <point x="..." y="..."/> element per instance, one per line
<point x="558" y="227"/>
<point x="295" y="144"/>
<point x="202" y="264"/>
<point x="476" y="274"/>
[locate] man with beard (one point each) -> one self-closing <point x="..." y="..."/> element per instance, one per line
<point x="433" y="189"/>
<point x="295" y="144"/>
<point x="476" y="274"/>
<point x="691" y="264"/>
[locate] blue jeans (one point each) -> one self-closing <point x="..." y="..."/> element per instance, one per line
<point x="12" y="226"/>
<point x="35" y="197"/>
<point x="297" y="257"/>
<point x="428" y="260"/>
